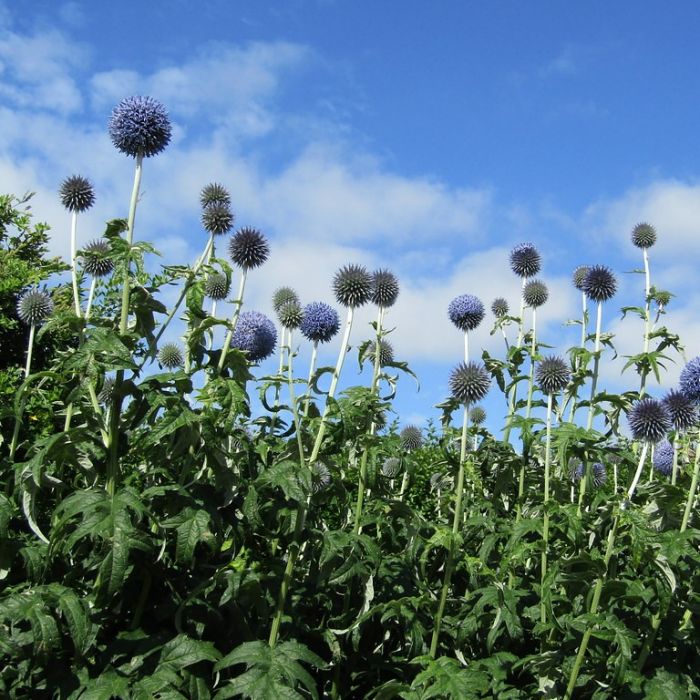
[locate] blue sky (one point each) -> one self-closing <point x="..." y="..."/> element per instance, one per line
<point x="426" y="137"/>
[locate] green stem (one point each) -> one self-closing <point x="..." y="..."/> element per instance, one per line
<point x="647" y="318"/>
<point x="596" y="365"/>
<point x="676" y="449"/>
<point x="293" y="400"/>
<point x="693" y="488"/>
<point x="533" y="347"/>
<point x="91" y="298"/>
<point x="73" y="256"/>
<point x="456" y="525"/>
<point x="514" y="388"/>
<point x="312" y="369"/>
<point x="27" y="369"/>
<point x="584" y="336"/>
<point x="545" y="524"/>
<point x="234" y="321"/>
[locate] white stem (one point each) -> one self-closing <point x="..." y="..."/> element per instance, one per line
<point x="596" y="362"/>
<point x="638" y="473"/>
<point x="312" y="369"/>
<point x="30" y="349"/>
<point x="91" y="297"/>
<point x="73" y="256"/>
<point x="234" y="320"/>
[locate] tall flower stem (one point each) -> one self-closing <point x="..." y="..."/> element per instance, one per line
<point x="113" y="456"/>
<point x="334" y="383"/>
<point x="234" y="321"/>
<point x="596" y="364"/>
<point x="456" y="525"/>
<point x="584" y="336"/>
<point x="312" y="369"/>
<point x="533" y="348"/>
<point x="280" y="371"/>
<point x="514" y="389"/>
<point x="362" y="480"/>
<point x="545" y="523"/>
<point x="90" y="299"/>
<point x="693" y="488"/>
<point x="73" y="257"/>
<point x="676" y="450"/>
<point x="293" y="399"/>
<point x="27" y="369"/>
<point x="573" y="677"/>
<point x="647" y="317"/>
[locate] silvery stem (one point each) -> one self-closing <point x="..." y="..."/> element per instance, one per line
<point x="73" y="256"/>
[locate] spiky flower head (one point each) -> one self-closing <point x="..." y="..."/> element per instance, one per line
<point x="690" y="379"/>
<point x="105" y="395"/>
<point x="411" y="438"/>
<point x="249" y="248"/>
<point x="283" y="296"/>
<point x="34" y="306"/>
<point x="466" y="312"/>
<point x="291" y="315"/>
<point x="170" y="356"/>
<point x="216" y="286"/>
<point x="469" y="382"/>
<point x="96" y="260"/>
<point x="385" y="288"/>
<point x="525" y="260"/>
<point x="649" y="420"/>
<point x="575" y="469"/>
<point x="217" y="218"/>
<point x="139" y="126"/>
<point x="477" y="415"/>
<point x="214" y="193"/>
<point x="535" y="293"/>
<point x="500" y="307"/>
<point x="439" y="481"/>
<point x="600" y="476"/>
<point x="662" y="298"/>
<point x="320" y="322"/>
<point x="663" y="457"/>
<point x="644" y="235"/>
<point x="386" y="352"/>
<point x="255" y="335"/>
<point x="76" y="193"/>
<point x="683" y="410"/>
<point x="320" y="477"/>
<point x="579" y="276"/>
<point x="352" y="286"/>
<point x="599" y="284"/>
<point x="391" y="467"/>
<point x="552" y="374"/>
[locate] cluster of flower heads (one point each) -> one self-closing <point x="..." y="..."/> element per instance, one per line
<point x="255" y="334"/>
<point x="354" y="286"/>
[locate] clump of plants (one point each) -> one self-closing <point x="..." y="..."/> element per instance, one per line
<point x="160" y="536"/>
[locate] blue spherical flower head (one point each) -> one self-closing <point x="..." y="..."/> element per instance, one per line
<point x="139" y="126"/>
<point x="575" y="469"/>
<point x="599" y="284"/>
<point x="255" y="335"/>
<point x="411" y="438"/>
<point x="649" y="420"/>
<point x="466" y="312"/>
<point x="525" y="260"/>
<point x="663" y="457"/>
<point x="320" y="322"/>
<point x="535" y="293"/>
<point x="469" y="382"/>
<point x="683" y="409"/>
<point x="600" y="476"/>
<point x="690" y="379"/>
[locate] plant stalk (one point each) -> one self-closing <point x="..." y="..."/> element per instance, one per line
<point x="234" y="321"/>
<point x="596" y="364"/>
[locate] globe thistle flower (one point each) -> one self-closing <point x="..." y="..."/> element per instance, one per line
<point x="499" y="307"/>
<point x="643" y="235"/>
<point x="663" y="457"/>
<point x="690" y="379"/>
<point x="139" y="126"/>
<point x="525" y="260"/>
<point x="214" y="193"/>
<point x="600" y="476"/>
<point x="76" y="193"/>
<point x="96" y="260"/>
<point x="535" y="293"/>
<point x="386" y="352"/>
<point x="466" y="312"/>
<point x="599" y="284"/>
<point x="683" y="410"/>
<point x="662" y="298"/>
<point x="291" y="315"/>
<point x="649" y="420"/>
<point x="249" y="248"/>
<point x="216" y="286"/>
<point x="552" y="374"/>
<point x="217" y="219"/>
<point x="107" y="391"/>
<point x="385" y="288"/>
<point x="320" y="477"/>
<point x="255" y="335"/>
<point x="440" y="481"/>
<point x="575" y="469"/>
<point x="411" y="438"/>
<point x="391" y="467"/>
<point x="352" y="286"/>
<point x="170" y="356"/>
<point x="34" y="306"/>
<point x="469" y="382"/>
<point x="283" y="296"/>
<point x="477" y="415"/>
<point x="579" y="276"/>
<point x="320" y="322"/>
